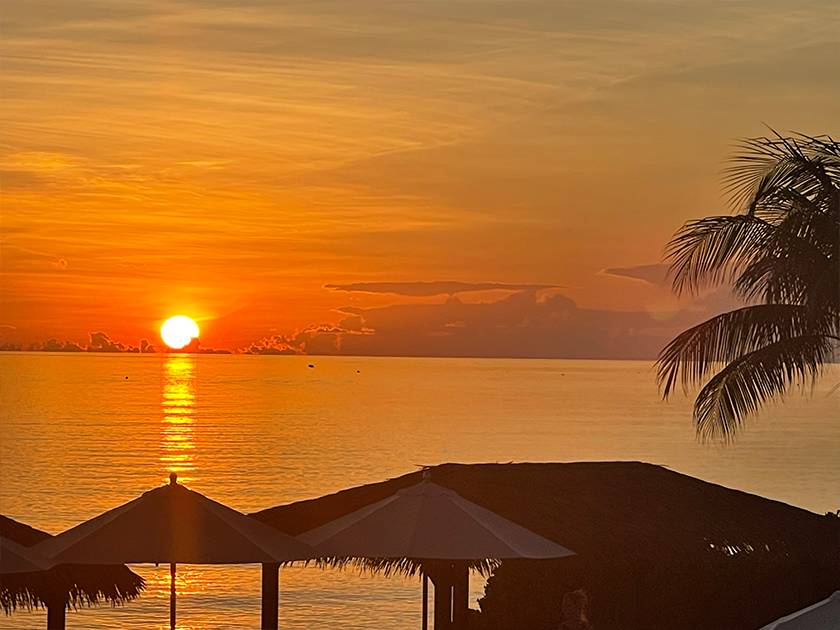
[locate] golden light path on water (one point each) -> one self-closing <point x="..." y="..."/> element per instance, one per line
<point x="177" y="454"/>
<point x="177" y="443"/>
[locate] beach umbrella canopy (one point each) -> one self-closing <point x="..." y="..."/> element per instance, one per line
<point x="60" y="586"/>
<point x="436" y="525"/>
<point x="824" y="614"/>
<point x="173" y="524"/>
<point x="429" y="522"/>
<point x="176" y="525"/>
<point x="15" y="558"/>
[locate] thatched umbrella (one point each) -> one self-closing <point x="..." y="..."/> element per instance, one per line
<point x="61" y="586"/>
<point x="820" y="616"/>
<point x="15" y="558"/>
<point x="436" y="526"/>
<point x="173" y="524"/>
<point x="656" y="549"/>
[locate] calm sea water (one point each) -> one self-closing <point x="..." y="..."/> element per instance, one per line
<point x="82" y="433"/>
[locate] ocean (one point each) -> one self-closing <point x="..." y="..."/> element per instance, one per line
<point x="81" y="433"/>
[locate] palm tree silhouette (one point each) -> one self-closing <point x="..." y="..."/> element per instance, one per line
<point x="779" y="252"/>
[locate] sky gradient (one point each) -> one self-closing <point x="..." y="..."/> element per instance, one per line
<point x="250" y="163"/>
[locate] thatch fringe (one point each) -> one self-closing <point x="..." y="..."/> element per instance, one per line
<point x="389" y="566"/>
<point x="75" y="586"/>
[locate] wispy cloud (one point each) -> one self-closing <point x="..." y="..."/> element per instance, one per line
<point x="655" y="274"/>
<point x="431" y="288"/>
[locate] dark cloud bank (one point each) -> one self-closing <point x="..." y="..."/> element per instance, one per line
<point x="532" y="321"/>
<point x="102" y="342"/>
<point x="526" y="323"/>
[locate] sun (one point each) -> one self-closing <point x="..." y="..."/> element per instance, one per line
<point x="178" y="331"/>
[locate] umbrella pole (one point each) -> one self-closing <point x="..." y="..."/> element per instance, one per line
<point x="460" y="596"/>
<point x="425" y="624"/>
<point x="56" y="613"/>
<point x="270" y="595"/>
<point x="172" y="596"/>
<point x="442" y="580"/>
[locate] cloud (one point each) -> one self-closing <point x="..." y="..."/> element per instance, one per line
<point x="267" y="347"/>
<point x="101" y="342"/>
<point x="54" y="345"/>
<point x="655" y="274"/>
<point x="322" y="339"/>
<point x="21" y="179"/>
<point x="26" y="259"/>
<point x="524" y="324"/>
<point x="146" y="347"/>
<point x="427" y="289"/>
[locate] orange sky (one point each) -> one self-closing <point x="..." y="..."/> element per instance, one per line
<point x="228" y="160"/>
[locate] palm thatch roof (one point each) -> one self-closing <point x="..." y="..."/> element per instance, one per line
<point x="655" y="548"/>
<point x="73" y="585"/>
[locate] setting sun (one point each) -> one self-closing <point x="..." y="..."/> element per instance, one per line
<point x="178" y="331"/>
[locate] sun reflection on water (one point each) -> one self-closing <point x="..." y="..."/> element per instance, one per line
<point x="177" y="447"/>
<point x="189" y="580"/>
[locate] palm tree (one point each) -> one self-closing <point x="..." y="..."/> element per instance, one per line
<point x="779" y="252"/>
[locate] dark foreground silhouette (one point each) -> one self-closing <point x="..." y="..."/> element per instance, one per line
<point x="655" y="548"/>
<point x="64" y="586"/>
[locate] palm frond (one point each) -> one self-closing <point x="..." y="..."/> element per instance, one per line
<point x="709" y="251"/>
<point x="765" y="165"/>
<point x="693" y="355"/>
<point x="782" y="249"/>
<point x="785" y="276"/>
<point x="741" y="387"/>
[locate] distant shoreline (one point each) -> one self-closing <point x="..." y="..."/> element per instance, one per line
<point x="339" y="356"/>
